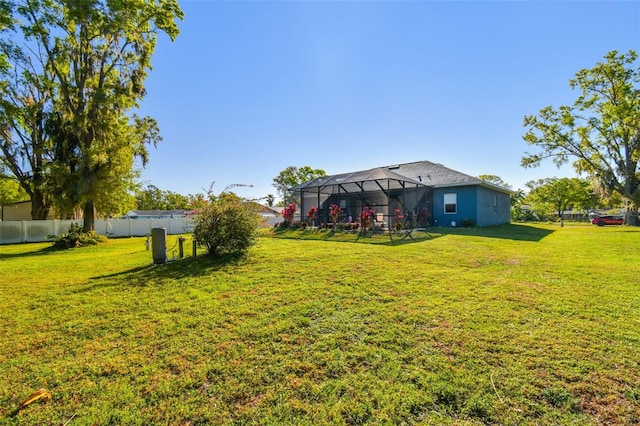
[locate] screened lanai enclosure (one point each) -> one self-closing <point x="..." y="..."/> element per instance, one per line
<point x="392" y="196"/>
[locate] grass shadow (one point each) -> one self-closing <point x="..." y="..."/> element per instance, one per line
<point x="173" y="270"/>
<point x="378" y="237"/>
<point x="516" y="232"/>
<point x="38" y="252"/>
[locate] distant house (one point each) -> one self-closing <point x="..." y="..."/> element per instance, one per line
<point x="269" y="215"/>
<point x="426" y="192"/>
<point x="20" y="211"/>
<point x="158" y="214"/>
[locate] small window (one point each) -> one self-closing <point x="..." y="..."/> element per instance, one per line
<point x="450" y="203"/>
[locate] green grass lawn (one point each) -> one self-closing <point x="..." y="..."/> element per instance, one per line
<point x="511" y="325"/>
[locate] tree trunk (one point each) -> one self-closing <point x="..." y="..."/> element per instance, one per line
<point x="39" y="206"/>
<point x="631" y="215"/>
<point x="89" y="217"/>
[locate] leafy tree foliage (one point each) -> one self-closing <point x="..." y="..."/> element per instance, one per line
<point x="154" y="198"/>
<point x="559" y="195"/>
<point x="518" y="213"/>
<point x="10" y="191"/>
<point x="496" y="180"/>
<point x="270" y="200"/>
<point x="600" y="131"/>
<point x="226" y="225"/>
<point x="197" y="201"/>
<point x="86" y="61"/>
<point x="292" y="176"/>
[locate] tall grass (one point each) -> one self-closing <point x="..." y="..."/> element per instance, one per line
<point x="508" y="325"/>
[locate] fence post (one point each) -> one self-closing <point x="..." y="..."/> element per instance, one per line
<point x="24" y="231"/>
<point x="180" y="246"/>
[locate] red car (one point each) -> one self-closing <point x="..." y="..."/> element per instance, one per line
<point x="607" y="220"/>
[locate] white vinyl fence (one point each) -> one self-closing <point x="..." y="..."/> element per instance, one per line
<point x="32" y="231"/>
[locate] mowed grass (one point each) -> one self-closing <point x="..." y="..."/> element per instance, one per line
<point x="516" y="324"/>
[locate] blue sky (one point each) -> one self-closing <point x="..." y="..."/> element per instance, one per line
<point x="251" y="87"/>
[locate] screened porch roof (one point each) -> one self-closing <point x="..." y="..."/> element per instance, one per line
<point x="378" y="179"/>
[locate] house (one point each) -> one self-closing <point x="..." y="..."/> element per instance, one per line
<point x="269" y="215"/>
<point x="424" y="193"/>
<point x="158" y="214"/>
<point x="20" y="211"/>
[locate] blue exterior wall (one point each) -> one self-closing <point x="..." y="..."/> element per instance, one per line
<point x="494" y="207"/>
<point x="467" y="200"/>
<point x="484" y="206"/>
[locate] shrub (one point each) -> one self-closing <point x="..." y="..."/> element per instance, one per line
<point x="334" y="212"/>
<point x="397" y="213"/>
<point x="423" y="218"/>
<point x="287" y="213"/>
<point x="226" y="226"/>
<point x="290" y="225"/>
<point x="74" y="237"/>
<point x="312" y="214"/>
<point x="467" y="223"/>
<point x="366" y="218"/>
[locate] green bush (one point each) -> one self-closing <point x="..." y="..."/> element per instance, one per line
<point x="467" y="223"/>
<point x="74" y="237"/>
<point x="226" y="226"/>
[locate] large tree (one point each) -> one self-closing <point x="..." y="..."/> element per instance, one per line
<point x="292" y="176"/>
<point x="600" y="132"/>
<point x="25" y="99"/>
<point x="559" y="195"/>
<point x="95" y="55"/>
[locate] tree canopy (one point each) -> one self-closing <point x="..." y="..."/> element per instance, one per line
<point x="496" y="180"/>
<point x="559" y="195"/>
<point x="10" y="191"/>
<point x="600" y="132"/>
<point x="75" y="79"/>
<point x="154" y="198"/>
<point x="292" y="176"/>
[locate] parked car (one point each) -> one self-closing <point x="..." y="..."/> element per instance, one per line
<point x="607" y="220"/>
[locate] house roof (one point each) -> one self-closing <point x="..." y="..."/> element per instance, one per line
<point x="158" y="212"/>
<point x="271" y="210"/>
<point x="16" y="203"/>
<point x="364" y="180"/>
<point x="419" y="173"/>
<point x="262" y="209"/>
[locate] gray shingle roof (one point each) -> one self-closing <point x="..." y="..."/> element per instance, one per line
<point x="352" y="182"/>
<point x="434" y="174"/>
<point x="416" y="173"/>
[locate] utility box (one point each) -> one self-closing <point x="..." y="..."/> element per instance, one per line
<point x="159" y="245"/>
